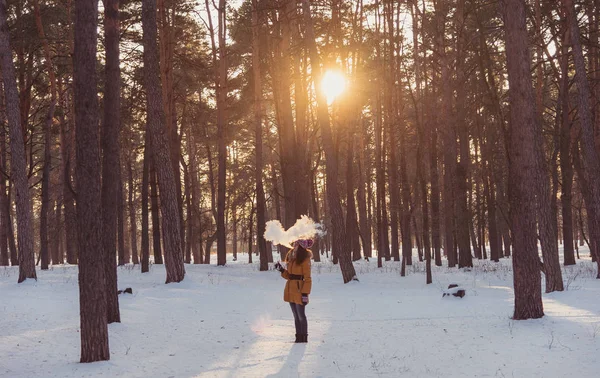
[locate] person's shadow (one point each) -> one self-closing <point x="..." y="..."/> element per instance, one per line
<point x="290" y="367"/>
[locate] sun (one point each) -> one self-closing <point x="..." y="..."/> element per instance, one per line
<point x="333" y="84"/>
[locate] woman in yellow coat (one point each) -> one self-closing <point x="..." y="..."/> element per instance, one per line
<point x="298" y="284"/>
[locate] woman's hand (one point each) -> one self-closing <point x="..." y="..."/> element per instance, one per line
<point x="279" y="267"/>
<point x="305" y="299"/>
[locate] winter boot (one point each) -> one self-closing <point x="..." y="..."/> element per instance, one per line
<point x="304" y="338"/>
<point x="298" y="338"/>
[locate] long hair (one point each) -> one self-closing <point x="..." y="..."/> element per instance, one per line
<point x="299" y="256"/>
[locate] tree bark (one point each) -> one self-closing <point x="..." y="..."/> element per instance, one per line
<point x="566" y="164"/>
<point x="17" y="149"/>
<point x="156" y="221"/>
<point x="391" y="123"/>
<point x="44" y="240"/>
<point x="546" y="215"/>
<point x="145" y="240"/>
<point x="161" y="157"/>
<point x="315" y="214"/>
<point x="526" y="263"/>
<point x="92" y="289"/>
<point x="220" y="66"/>
<point x="188" y="207"/>
<point x="132" y="216"/>
<point x="110" y="156"/>
<point x="166" y="27"/>
<point x="287" y="138"/>
<point x="364" y="224"/>
<point x="351" y="216"/>
<point x="435" y="196"/>
<point x="464" y="218"/>
<point x="68" y="158"/>
<point x="594" y="239"/>
<point x="380" y="186"/>
<point x="195" y="234"/>
<point x="406" y="210"/>
<point x="123" y="253"/>
<point x="4" y="213"/>
<point x="261" y="207"/>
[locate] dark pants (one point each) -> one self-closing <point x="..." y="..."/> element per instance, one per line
<point x="300" y="318"/>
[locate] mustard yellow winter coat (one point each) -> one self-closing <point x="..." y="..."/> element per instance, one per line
<point x="295" y="288"/>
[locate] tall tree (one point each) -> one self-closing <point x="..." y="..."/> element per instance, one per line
<point x="546" y="214"/>
<point x="92" y="289"/>
<point x="145" y="239"/>
<point x="464" y="220"/>
<point x="590" y="155"/>
<point x="48" y="56"/>
<point x="260" y="191"/>
<point x="4" y="213"/>
<point x="167" y="12"/>
<point x="132" y="214"/>
<point x="110" y="155"/>
<point x="566" y="163"/>
<point x="526" y="263"/>
<point x="160" y="149"/>
<point x="219" y="61"/>
<point x="17" y="148"/>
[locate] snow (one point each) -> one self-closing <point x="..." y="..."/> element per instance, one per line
<point x="232" y="322"/>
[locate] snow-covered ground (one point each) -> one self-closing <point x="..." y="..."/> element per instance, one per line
<point x="232" y="322"/>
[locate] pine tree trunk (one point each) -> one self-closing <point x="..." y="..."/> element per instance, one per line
<point x="250" y="228"/>
<point x="195" y="230"/>
<point x="161" y="157"/>
<point x="55" y="232"/>
<point x="566" y="165"/>
<point x="221" y="138"/>
<point x="44" y="209"/>
<point x="165" y="25"/>
<point x="66" y="139"/>
<point x="302" y="145"/>
<point x="435" y="197"/>
<point x="124" y="257"/>
<point x="464" y="220"/>
<point x="132" y="217"/>
<point x="12" y="247"/>
<point x="4" y="214"/>
<point x="188" y="206"/>
<point x="594" y="239"/>
<point x="449" y="177"/>
<point x="591" y="159"/>
<point x="335" y="206"/>
<point x="261" y="207"/>
<point x="92" y="289"/>
<point x="110" y="156"/>
<point x="526" y="276"/>
<point x="364" y="224"/>
<point x="445" y="123"/>
<point x="145" y="240"/>
<point x="390" y="123"/>
<point x="287" y="149"/>
<point x="156" y="234"/>
<point x="351" y="217"/>
<point x="17" y="152"/>
<point x="234" y="231"/>
<point x="315" y="214"/>
<point x="546" y="215"/>
<point x="380" y="186"/>
<point x="381" y="225"/>
<point x="502" y="206"/>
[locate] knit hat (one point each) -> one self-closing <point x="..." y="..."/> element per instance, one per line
<point x="305" y="243"/>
